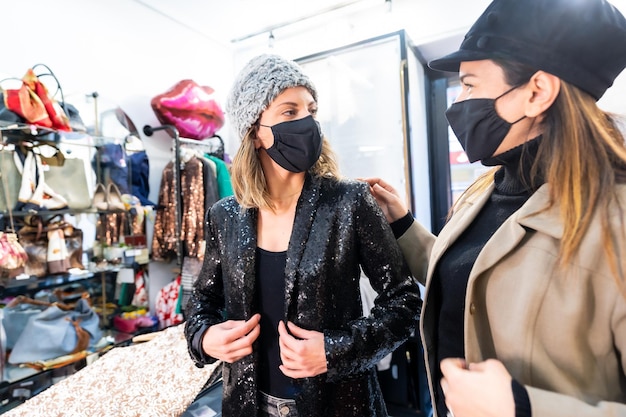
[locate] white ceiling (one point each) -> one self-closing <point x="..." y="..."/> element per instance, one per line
<point x="229" y="20"/>
<point x="226" y="21"/>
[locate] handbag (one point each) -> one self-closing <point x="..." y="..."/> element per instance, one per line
<point x="11" y="180"/>
<point x="56" y="331"/>
<point x="208" y="402"/>
<point x="16" y="316"/>
<point x="33" y="102"/>
<point x="57" y="170"/>
<point x="77" y="195"/>
<point x="35" y="193"/>
<point x="34" y="237"/>
<point x="13" y="257"/>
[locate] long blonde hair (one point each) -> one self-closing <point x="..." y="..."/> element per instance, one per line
<point x="582" y="155"/>
<point x="248" y="179"/>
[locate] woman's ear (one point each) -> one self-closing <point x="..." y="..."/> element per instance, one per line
<point x="544" y="88"/>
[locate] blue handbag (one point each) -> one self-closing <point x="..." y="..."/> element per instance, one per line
<point x="16" y="318"/>
<point x="56" y="332"/>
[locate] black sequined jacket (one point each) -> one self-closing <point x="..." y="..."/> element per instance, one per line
<point x="337" y="228"/>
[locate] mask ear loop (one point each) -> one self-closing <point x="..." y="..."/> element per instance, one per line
<point x="504" y="94"/>
<point x="508" y="91"/>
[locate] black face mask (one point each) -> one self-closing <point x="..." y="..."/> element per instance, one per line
<point x="297" y="144"/>
<point x="478" y="127"/>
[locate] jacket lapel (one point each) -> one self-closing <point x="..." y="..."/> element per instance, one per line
<point x="531" y="216"/>
<point x="457" y="225"/>
<point x="247" y="254"/>
<point x="302" y="226"/>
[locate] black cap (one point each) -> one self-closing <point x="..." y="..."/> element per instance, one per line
<point x="582" y="42"/>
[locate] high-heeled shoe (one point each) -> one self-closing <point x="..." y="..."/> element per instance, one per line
<point x="99" y="201"/>
<point x="114" y="197"/>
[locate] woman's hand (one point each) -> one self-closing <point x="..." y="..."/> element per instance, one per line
<point x="302" y="352"/>
<point x="387" y="198"/>
<point x="481" y="390"/>
<point x="231" y="340"/>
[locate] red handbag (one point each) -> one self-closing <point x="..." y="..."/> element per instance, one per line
<point x="33" y="102"/>
<point x="190" y="108"/>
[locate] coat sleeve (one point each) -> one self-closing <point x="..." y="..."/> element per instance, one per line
<point x="416" y="244"/>
<point x="396" y="308"/>
<point x="206" y="303"/>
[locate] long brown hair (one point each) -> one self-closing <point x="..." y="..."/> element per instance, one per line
<point x="582" y="155"/>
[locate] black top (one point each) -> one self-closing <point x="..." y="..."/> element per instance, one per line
<point x="512" y="189"/>
<point x="271" y="292"/>
<point x="514" y="184"/>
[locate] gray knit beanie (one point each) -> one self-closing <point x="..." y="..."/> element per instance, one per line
<point x="258" y="84"/>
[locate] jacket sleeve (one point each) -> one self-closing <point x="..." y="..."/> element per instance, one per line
<point x="416" y="244"/>
<point x="206" y="303"/>
<point x="396" y="309"/>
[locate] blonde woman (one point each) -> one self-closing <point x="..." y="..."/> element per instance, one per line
<point x="278" y="297"/>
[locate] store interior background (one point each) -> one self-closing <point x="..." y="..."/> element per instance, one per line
<point x="128" y="51"/>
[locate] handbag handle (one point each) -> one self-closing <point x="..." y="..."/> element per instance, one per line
<point x="22" y="299"/>
<point x="59" y="89"/>
<point x="58" y="159"/>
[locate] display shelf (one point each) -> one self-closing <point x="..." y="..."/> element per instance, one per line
<point x="15" y="132"/>
<point x="90" y="210"/>
<point x="34" y="284"/>
<point x="19" y="383"/>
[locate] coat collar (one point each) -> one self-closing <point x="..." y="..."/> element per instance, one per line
<point x="531" y="216"/>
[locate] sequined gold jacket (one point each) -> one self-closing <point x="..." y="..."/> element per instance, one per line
<point x="337" y="228"/>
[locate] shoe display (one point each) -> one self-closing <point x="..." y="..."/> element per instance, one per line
<point x="114" y="197"/>
<point x="99" y="201"/>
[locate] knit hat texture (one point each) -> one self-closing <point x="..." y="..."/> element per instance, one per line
<point x="261" y="80"/>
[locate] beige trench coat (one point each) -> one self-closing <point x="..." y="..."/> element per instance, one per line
<point x="561" y="333"/>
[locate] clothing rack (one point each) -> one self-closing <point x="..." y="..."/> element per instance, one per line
<point x="178" y="220"/>
<point x="213" y="145"/>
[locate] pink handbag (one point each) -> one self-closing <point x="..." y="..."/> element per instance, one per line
<point x="190" y="108"/>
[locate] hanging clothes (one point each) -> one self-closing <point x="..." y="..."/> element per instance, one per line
<point x="168" y="304"/>
<point x="192" y="209"/>
<point x="224" y="184"/>
<point x="110" y="164"/>
<point x="140" y="176"/>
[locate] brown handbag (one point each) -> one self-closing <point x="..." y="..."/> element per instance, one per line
<point x="34" y="238"/>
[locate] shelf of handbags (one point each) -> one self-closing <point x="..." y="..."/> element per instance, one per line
<point x="49" y="183"/>
<point x="56" y="325"/>
<point x="51" y="328"/>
